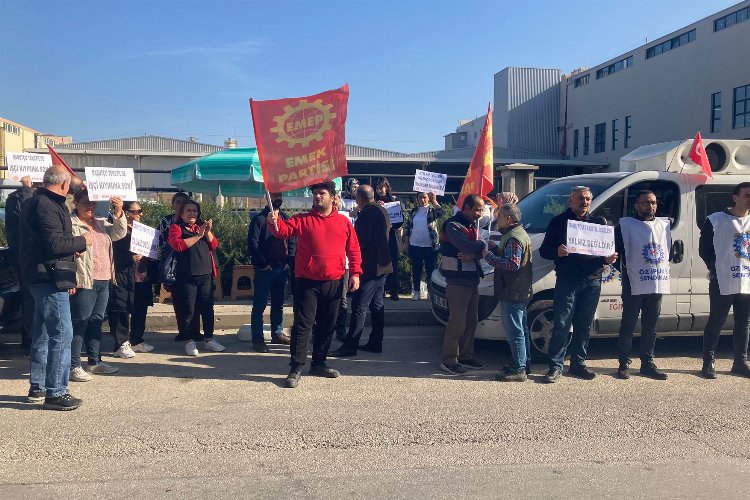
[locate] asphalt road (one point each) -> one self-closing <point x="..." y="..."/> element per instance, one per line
<point x="221" y="425"/>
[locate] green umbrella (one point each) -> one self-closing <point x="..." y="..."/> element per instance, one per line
<point x="233" y="172"/>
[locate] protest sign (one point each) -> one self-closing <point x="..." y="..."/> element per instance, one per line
<point x="301" y="140"/>
<point x="590" y="239"/>
<point x="22" y="164"/>
<point x="429" y="182"/>
<point x="144" y="240"/>
<point x="105" y="183"/>
<point x="394" y="211"/>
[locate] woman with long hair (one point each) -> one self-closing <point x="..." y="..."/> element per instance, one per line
<point x="423" y="239"/>
<point x="383" y="195"/>
<point x="193" y="241"/>
<point x="95" y="271"/>
<point x="131" y="294"/>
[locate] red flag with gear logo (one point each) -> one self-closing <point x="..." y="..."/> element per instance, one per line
<point x="301" y="140"/>
<point x="479" y="178"/>
<point x="699" y="156"/>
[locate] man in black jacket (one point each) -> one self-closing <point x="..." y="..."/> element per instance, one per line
<point x="47" y="246"/>
<point x="372" y="227"/>
<point x="13" y="206"/>
<point x="272" y="258"/>
<point x="577" y="288"/>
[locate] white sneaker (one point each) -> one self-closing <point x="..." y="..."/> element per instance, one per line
<point x="190" y="348"/>
<point x="415" y="296"/>
<point x="102" y="369"/>
<point x="213" y="345"/>
<point x="125" y="351"/>
<point x="142" y="347"/>
<point x="78" y="374"/>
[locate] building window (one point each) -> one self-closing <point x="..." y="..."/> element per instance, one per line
<point x="670" y="44"/>
<point x="581" y="80"/>
<point x="741" y="107"/>
<point x="735" y="17"/>
<point x="600" y="134"/>
<point x="575" y="143"/>
<point x="614" y="67"/>
<point x="614" y="134"/>
<point x="628" y="125"/>
<point x="716" y="112"/>
<point x="11" y="128"/>
<point x="585" y="141"/>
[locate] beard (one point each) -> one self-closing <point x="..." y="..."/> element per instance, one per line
<point x="277" y="204"/>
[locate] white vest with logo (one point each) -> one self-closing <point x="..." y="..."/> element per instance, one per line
<point x="732" y="247"/>
<point x="647" y="245"/>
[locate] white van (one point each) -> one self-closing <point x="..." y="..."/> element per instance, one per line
<point x="685" y="195"/>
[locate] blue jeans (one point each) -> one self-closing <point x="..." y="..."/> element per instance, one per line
<point x="368" y="296"/>
<point x="574" y="303"/>
<point x="273" y="282"/>
<point x="51" y="333"/>
<point x="87" y="308"/>
<point x="513" y="317"/>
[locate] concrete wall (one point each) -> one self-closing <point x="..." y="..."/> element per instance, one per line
<point x="473" y="129"/>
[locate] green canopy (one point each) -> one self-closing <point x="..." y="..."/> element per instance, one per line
<point x="232" y="172"/>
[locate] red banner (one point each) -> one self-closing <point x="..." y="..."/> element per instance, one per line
<point x="57" y="160"/>
<point x="699" y="156"/>
<point x="480" y="179"/>
<point x="300" y="140"/>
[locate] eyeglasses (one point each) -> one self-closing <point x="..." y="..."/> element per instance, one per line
<point x="135" y="212"/>
<point x="648" y="202"/>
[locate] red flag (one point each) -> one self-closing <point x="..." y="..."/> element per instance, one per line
<point x="479" y="179"/>
<point x="698" y="155"/>
<point x="57" y="160"/>
<point x="300" y="140"/>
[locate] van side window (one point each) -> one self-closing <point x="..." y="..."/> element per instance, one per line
<point x="622" y="204"/>
<point x="710" y="199"/>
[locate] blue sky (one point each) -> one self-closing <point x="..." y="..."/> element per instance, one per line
<point x="105" y="69"/>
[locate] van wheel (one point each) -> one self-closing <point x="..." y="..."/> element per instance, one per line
<point x="539" y="315"/>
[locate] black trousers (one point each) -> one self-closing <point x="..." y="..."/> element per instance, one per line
<point x="27" y="311"/>
<point x="143" y="298"/>
<point x="719" y="310"/>
<point x="648" y="307"/>
<point x="195" y="295"/>
<point x="316" y="303"/>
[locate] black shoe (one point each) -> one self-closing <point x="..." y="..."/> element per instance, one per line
<point x="552" y="376"/>
<point x="292" y="380"/>
<point x="260" y="347"/>
<point x="395" y="297"/>
<point x="623" y="371"/>
<point x="581" y="371"/>
<point x="471" y="364"/>
<point x="377" y="349"/>
<point x="741" y="368"/>
<point x="709" y="370"/>
<point x="512" y="377"/>
<point x="282" y="339"/>
<point x="453" y="369"/>
<point x="35" y="396"/>
<point x="323" y="371"/>
<point x="64" y="403"/>
<point x="650" y="370"/>
<point x="506" y="368"/>
<point x="343" y="352"/>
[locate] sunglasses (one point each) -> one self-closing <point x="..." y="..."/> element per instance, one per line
<point x="134" y="212"/>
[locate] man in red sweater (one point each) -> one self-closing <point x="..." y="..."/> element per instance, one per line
<point x="324" y="240"/>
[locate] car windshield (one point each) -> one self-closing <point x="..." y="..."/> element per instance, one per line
<point x="539" y="206"/>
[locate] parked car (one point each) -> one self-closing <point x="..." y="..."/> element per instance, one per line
<point x="10" y="296"/>
<point x="685" y="195"/>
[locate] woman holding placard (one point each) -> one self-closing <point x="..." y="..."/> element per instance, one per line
<point x="95" y="271"/>
<point x="131" y="294"/>
<point x="423" y="239"/>
<point x="383" y="195"/>
<point x="193" y="242"/>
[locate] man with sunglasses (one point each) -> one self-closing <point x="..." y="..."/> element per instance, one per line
<point x="644" y="243"/>
<point x="577" y="288"/>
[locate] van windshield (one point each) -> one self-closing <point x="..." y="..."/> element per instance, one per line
<point x="541" y="205"/>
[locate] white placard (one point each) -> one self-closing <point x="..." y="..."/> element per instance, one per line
<point x="22" y="164"/>
<point x="348" y="204"/>
<point x="395" y="211"/>
<point x="104" y="183"/>
<point x="590" y="239"/>
<point x="144" y="240"/>
<point x="430" y="182"/>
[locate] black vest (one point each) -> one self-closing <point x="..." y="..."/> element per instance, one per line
<point x="196" y="260"/>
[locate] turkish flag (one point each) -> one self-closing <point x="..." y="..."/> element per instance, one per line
<point x="301" y="140"/>
<point x="57" y="160"/>
<point x="698" y="155"/>
<point x="479" y="179"/>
